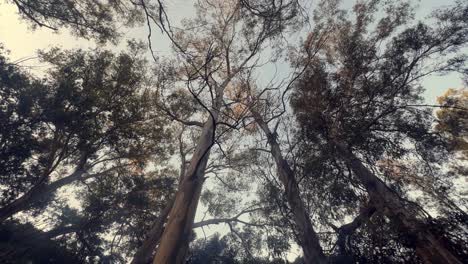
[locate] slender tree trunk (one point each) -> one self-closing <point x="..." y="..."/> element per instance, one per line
<point x="145" y="252"/>
<point x="177" y="233"/>
<point x="307" y="236"/>
<point x="173" y="246"/>
<point x="429" y="246"/>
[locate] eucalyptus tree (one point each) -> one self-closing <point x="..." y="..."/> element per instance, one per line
<point x="367" y="105"/>
<point x="89" y="118"/>
<point x="215" y="49"/>
<point x="267" y="105"/>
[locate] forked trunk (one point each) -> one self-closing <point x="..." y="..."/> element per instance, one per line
<point x="307" y="236"/>
<point x="429" y="246"/>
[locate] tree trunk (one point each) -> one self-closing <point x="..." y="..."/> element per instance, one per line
<point x="429" y="246"/>
<point x="307" y="236"/>
<point x="177" y="233"/>
<point x="145" y="252"/>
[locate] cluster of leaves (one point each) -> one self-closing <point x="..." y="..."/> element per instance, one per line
<point x="222" y="250"/>
<point x="92" y="115"/>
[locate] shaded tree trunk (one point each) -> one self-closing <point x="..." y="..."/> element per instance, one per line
<point x="307" y="236"/>
<point x="144" y="254"/>
<point x="429" y="246"/>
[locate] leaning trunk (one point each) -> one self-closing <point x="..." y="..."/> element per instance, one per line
<point x="145" y="252"/>
<point x="307" y="236"/>
<point x="430" y="247"/>
<point x="175" y="239"/>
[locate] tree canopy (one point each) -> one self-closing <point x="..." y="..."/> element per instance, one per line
<point x="273" y="132"/>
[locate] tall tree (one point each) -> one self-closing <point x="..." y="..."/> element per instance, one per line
<point x="89" y="118"/>
<point x="227" y="37"/>
<point x="367" y="102"/>
<point x="266" y="109"/>
<point x="307" y="237"/>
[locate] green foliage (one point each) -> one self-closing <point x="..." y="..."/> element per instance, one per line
<point x="223" y="250"/>
<point x="91" y="105"/>
<point x="91" y="114"/>
<point x="20" y="120"/>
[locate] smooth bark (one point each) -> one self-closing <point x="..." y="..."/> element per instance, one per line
<point x="173" y="246"/>
<point x="429" y="246"/>
<point x="177" y="233"/>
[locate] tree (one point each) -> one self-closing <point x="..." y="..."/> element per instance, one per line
<point x="227" y="39"/>
<point x="264" y="113"/>
<point x="307" y="236"/>
<point x="90" y="118"/>
<point x="367" y="102"/>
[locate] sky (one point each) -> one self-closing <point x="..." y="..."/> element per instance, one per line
<point x="23" y="43"/>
